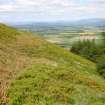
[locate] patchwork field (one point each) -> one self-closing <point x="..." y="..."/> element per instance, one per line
<point x="64" y="35"/>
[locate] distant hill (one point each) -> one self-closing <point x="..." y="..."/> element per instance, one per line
<point x="91" y="22"/>
<point x="96" y="22"/>
<point x="35" y="72"/>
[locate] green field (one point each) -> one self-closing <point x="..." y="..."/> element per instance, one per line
<point x="62" y="35"/>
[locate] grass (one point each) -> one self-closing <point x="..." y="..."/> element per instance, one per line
<point x="40" y="73"/>
<point x="55" y="85"/>
<point x="6" y="32"/>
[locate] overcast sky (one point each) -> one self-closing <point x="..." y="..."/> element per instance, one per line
<point x="50" y="10"/>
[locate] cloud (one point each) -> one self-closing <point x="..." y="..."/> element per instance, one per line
<point x="52" y="9"/>
<point x="33" y="5"/>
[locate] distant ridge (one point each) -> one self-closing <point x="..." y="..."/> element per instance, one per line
<point x="91" y="22"/>
<point x="82" y="22"/>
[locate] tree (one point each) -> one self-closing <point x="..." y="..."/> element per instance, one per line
<point x="87" y="49"/>
<point x="90" y="50"/>
<point x="101" y="65"/>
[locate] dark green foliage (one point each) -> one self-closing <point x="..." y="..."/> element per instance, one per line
<point x="103" y="37"/>
<point x="93" y="52"/>
<point x="87" y="49"/>
<point x="101" y="65"/>
<point x="101" y="59"/>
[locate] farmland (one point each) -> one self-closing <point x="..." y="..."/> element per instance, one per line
<point x="63" y="35"/>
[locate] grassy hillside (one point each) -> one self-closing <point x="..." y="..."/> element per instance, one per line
<point x="35" y="72"/>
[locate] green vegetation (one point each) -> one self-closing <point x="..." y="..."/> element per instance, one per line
<point x="50" y="85"/>
<point x="6" y="32"/>
<point x="40" y="73"/>
<point x="87" y="49"/>
<point x="101" y="65"/>
<point x="101" y="58"/>
<point x="92" y="51"/>
<point x="63" y="35"/>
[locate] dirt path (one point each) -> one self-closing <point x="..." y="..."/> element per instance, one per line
<point x="5" y="80"/>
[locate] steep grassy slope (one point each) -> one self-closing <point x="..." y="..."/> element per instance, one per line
<point x="41" y="73"/>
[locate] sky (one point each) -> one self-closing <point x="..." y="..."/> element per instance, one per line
<point x="50" y="10"/>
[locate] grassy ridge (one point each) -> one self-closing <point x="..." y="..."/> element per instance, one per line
<point x="6" y="32"/>
<point x="41" y="73"/>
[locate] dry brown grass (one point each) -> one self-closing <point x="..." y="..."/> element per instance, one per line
<point x="13" y="60"/>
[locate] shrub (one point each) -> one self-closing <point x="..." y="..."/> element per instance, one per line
<point x="87" y="49"/>
<point x="101" y="65"/>
<point x="90" y="50"/>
